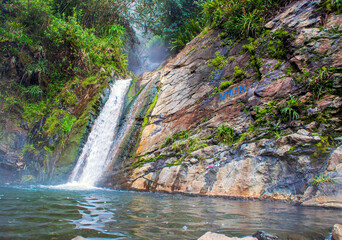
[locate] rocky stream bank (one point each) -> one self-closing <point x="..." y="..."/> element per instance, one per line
<point x="261" y="235"/>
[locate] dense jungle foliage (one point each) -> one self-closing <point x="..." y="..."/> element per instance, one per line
<point x="55" y="58"/>
<point x="235" y="18"/>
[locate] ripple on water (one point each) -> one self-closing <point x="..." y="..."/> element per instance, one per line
<point x="46" y="213"/>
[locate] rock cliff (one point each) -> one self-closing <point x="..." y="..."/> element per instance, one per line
<point x="257" y="118"/>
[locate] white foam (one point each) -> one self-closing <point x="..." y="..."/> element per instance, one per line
<point x="74" y="186"/>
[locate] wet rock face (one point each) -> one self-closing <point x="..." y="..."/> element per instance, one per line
<point x="335" y="159"/>
<point x="337" y="232"/>
<point x="326" y="192"/>
<point x="213" y="83"/>
<point x="10" y="153"/>
<point x="262" y="169"/>
<point x="11" y="158"/>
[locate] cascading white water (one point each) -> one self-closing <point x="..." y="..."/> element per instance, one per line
<point x="92" y="162"/>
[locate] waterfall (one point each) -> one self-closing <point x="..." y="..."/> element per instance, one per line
<point x="93" y="160"/>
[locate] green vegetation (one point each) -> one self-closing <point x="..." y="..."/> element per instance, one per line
<point x="291" y="150"/>
<point x="218" y="62"/>
<point x="189" y="30"/>
<point x="204" y="120"/>
<point x="322" y="148"/>
<point x="184" y="134"/>
<point x="278" y="65"/>
<point x="176" y="21"/>
<point x="226" y="135"/>
<point x="239" y="18"/>
<point x="54" y="46"/>
<point x="48" y="149"/>
<point x="29" y="148"/>
<point x="289" y="113"/>
<point x="59" y="122"/>
<point x="33" y="111"/>
<point x="188" y="146"/>
<point x="267" y="119"/>
<point x="183" y="149"/>
<point x="276" y="44"/>
<point x="238" y="73"/>
<point x="141" y="160"/>
<point x="254" y="62"/>
<point x="252" y="130"/>
<point x="333" y="6"/>
<point x="34" y="91"/>
<point x="320" y="82"/>
<point x="288" y="109"/>
<point x="269" y="115"/>
<point x="179" y="21"/>
<point x="252" y="46"/>
<point x="183" y="145"/>
<point x="266" y="114"/>
<point x="149" y="110"/>
<point x="226" y="84"/>
<point x="321" y="179"/>
<point x="59" y="56"/>
<point x="177" y="162"/>
<point x="28" y="179"/>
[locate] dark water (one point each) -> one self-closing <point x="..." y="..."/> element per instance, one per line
<point x="39" y="213"/>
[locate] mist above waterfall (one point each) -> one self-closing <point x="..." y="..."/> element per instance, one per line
<point x="147" y="53"/>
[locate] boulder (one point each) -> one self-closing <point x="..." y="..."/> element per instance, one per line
<point x="298" y="138"/>
<point x="327" y="192"/>
<point x="337" y="232"/>
<point x="261" y="235"/>
<point x="215" y="236"/>
<point x="334" y="159"/>
<point x="303" y="132"/>
<point x="193" y="160"/>
<point x="79" y="238"/>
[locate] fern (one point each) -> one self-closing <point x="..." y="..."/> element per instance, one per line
<point x="34" y="91"/>
<point x="290" y="113"/>
<point x="185" y="34"/>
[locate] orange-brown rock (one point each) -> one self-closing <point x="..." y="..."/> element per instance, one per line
<point x="198" y="98"/>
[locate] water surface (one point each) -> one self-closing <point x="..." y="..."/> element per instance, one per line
<point x="43" y="213"/>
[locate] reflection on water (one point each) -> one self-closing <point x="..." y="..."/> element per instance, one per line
<point x="39" y="213"/>
<point x="93" y="215"/>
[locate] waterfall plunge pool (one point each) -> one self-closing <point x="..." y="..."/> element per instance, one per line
<point x="50" y="213"/>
